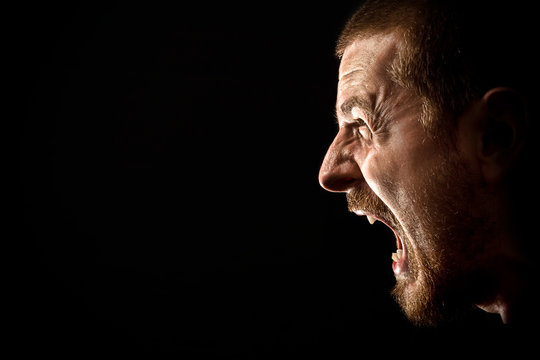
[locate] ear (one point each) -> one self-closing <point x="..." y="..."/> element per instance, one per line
<point x="502" y="132"/>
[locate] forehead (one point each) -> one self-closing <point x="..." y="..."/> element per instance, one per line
<point x="365" y="62"/>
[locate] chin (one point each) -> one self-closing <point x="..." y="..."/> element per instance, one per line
<point x="430" y="299"/>
<point x="420" y="300"/>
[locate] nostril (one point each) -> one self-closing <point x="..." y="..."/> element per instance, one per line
<point x="342" y="185"/>
<point x="335" y="182"/>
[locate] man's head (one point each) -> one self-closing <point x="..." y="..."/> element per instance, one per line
<point x="433" y="128"/>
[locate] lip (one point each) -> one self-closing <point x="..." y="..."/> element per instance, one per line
<point x="399" y="267"/>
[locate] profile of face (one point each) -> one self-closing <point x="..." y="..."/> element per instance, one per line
<point x="431" y="193"/>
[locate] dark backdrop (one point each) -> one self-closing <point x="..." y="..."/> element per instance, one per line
<point x="169" y="162"/>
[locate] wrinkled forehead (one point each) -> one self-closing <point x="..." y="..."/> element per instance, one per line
<point x="368" y="57"/>
<point x="367" y="73"/>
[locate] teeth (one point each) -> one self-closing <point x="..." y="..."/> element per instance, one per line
<point x="371" y="220"/>
<point x="397" y="255"/>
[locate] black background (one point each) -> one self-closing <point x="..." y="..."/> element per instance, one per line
<point x="169" y="161"/>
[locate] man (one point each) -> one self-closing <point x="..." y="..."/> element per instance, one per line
<point x="435" y="107"/>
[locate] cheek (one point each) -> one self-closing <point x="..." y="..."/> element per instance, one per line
<point x="399" y="176"/>
<point x="382" y="173"/>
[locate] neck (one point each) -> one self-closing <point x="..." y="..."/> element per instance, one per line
<point x="510" y="267"/>
<point x="513" y="294"/>
<point x="501" y="303"/>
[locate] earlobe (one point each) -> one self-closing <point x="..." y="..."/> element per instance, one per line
<point x="503" y="132"/>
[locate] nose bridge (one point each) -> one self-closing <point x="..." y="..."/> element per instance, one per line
<point x="340" y="168"/>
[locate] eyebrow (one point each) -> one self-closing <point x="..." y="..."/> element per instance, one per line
<point x="355" y="101"/>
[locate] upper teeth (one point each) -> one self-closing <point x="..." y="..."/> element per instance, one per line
<point x="371" y="219"/>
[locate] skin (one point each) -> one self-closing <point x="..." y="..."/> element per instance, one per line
<point x="444" y="200"/>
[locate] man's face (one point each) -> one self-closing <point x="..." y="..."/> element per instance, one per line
<point x="392" y="171"/>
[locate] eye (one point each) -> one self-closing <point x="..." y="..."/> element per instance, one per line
<point x="362" y="128"/>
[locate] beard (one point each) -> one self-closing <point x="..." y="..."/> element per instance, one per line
<point x="444" y="239"/>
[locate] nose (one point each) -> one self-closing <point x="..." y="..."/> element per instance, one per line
<point x="340" y="171"/>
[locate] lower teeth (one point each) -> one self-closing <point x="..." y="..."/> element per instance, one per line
<point x="397" y="255"/>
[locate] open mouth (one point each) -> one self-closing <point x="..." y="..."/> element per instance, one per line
<point x="399" y="264"/>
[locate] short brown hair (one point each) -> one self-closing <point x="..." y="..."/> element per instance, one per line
<point x="452" y="51"/>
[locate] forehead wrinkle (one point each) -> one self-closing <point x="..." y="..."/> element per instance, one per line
<point x="352" y="85"/>
<point x="358" y="63"/>
<point x="352" y="72"/>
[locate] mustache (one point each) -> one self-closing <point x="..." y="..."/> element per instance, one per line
<point x="365" y="200"/>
